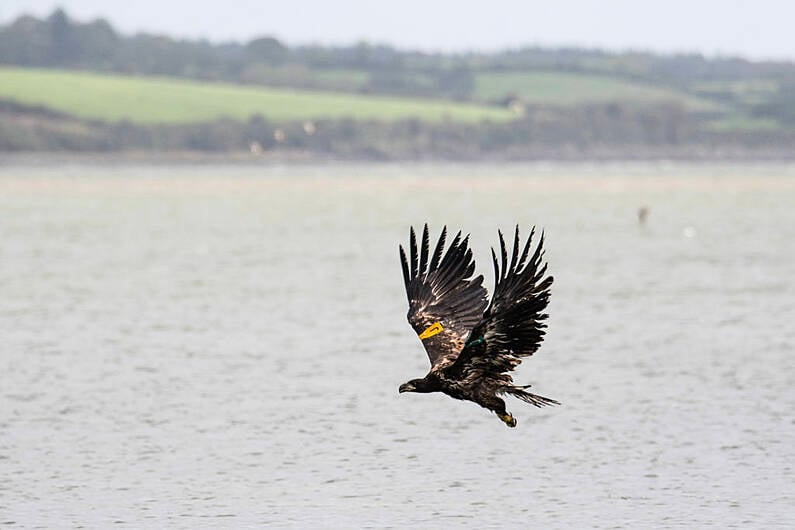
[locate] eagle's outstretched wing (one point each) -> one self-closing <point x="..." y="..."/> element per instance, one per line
<point x="445" y="302"/>
<point x="513" y="325"/>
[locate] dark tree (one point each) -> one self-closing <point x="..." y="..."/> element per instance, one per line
<point x="266" y="50"/>
<point x="64" y="42"/>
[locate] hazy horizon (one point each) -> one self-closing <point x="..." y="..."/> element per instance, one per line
<point x="711" y="28"/>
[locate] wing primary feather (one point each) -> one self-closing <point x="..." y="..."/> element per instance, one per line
<point x="527" y="247"/>
<point x="405" y="266"/>
<point x="437" y="254"/>
<point x="515" y="253"/>
<point x="504" y="255"/>
<point x="424" y="250"/>
<point x="456" y="239"/>
<point x="470" y="270"/>
<point x="538" y="254"/>
<point x="413" y="252"/>
<point x="496" y="269"/>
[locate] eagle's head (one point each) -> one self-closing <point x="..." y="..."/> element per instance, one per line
<point x="416" y="385"/>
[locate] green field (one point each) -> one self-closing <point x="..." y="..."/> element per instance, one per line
<point x="167" y="100"/>
<point x="749" y="92"/>
<point x="566" y="89"/>
<point x="355" y="78"/>
<point x="740" y="122"/>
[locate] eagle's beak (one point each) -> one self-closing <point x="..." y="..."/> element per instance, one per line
<point x="405" y="387"/>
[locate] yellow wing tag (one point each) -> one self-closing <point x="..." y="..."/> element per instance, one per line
<point x="433" y="329"/>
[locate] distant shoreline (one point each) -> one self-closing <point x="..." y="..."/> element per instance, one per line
<point x="646" y="155"/>
<point x="197" y="165"/>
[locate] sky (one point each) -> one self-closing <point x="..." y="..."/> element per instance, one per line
<point x="759" y="29"/>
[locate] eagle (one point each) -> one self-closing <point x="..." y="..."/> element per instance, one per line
<point x="472" y="347"/>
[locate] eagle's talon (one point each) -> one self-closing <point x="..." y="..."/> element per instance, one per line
<point x="509" y="420"/>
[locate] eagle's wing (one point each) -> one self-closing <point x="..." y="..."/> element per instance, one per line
<point x="445" y="302"/>
<point x="513" y="325"/>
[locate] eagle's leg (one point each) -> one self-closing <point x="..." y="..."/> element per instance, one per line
<point x="498" y="406"/>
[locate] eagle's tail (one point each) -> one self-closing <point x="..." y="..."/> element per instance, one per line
<point x="527" y="397"/>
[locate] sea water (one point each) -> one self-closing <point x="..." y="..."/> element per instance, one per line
<point x="221" y="346"/>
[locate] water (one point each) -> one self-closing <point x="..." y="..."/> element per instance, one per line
<point x="222" y="346"/>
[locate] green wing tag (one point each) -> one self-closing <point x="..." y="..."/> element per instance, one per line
<point x="433" y="329"/>
<point x="474" y="342"/>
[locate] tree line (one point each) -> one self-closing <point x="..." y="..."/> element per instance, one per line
<point x="59" y="41"/>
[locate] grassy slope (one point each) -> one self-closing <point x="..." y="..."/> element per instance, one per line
<point x="166" y="100"/>
<point x="740" y="122"/>
<point x="570" y="89"/>
<point x="356" y="78"/>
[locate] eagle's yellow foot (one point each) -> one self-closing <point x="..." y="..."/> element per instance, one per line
<point x="509" y="420"/>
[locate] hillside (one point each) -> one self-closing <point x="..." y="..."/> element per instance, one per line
<point x="171" y="100"/>
<point x="568" y="89"/>
<point x="731" y="93"/>
<point x="168" y="100"/>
